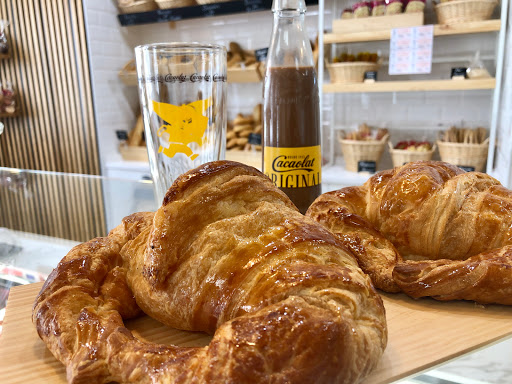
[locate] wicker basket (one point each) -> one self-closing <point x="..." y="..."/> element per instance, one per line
<point x="136" y="6"/>
<point x="464" y="155"/>
<point x="403" y="156"/>
<point x="355" y="151"/>
<point x="463" y="11"/>
<point x="352" y="72"/>
<point x="166" y="4"/>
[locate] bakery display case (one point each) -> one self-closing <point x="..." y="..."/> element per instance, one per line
<point x="429" y="341"/>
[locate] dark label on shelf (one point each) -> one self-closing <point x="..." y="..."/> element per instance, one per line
<point x="210" y="9"/>
<point x="367" y="166"/>
<point x="466" y="168"/>
<point x="370" y="75"/>
<point x="459" y="72"/>
<point x="256" y="5"/>
<point x="122" y="135"/>
<point x="261" y="54"/>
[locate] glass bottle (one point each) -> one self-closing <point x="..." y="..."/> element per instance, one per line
<point x="291" y="126"/>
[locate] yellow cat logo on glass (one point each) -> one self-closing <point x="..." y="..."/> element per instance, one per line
<point x="183" y="125"/>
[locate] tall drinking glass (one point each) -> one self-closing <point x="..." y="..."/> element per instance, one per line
<point x="182" y="89"/>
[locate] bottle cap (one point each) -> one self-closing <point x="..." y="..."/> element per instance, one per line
<point x="289" y="5"/>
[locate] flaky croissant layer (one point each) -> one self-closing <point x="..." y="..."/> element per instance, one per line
<point x="427" y="229"/>
<point x="228" y="254"/>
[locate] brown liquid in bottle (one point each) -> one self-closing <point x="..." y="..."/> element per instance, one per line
<point x="292" y="120"/>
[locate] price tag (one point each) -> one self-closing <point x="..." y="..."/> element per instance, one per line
<point x="367" y="166"/>
<point x="210" y="9"/>
<point x="466" y="168"/>
<point x="254" y="5"/>
<point x="410" y="50"/>
<point x="122" y="135"/>
<point x="261" y="54"/>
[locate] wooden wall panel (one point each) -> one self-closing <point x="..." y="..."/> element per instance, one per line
<point x="55" y="130"/>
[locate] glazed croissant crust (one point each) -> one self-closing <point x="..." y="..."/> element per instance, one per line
<point x="229" y="254"/>
<point x="427" y="229"/>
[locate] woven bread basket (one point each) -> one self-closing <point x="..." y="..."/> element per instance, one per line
<point x="404" y="156"/>
<point x="166" y="4"/>
<point x="136" y="6"/>
<point x="468" y="156"/>
<point x="463" y="11"/>
<point x="351" y="72"/>
<point x="355" y="151"/>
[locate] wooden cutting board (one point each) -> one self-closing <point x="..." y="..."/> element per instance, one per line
<point x="422" y="333"/>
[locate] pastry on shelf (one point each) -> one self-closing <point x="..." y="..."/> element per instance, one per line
<point x="240" y="58"/>
<point x="241" y="127"/>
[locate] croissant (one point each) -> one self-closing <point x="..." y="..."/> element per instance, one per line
<point x="427" y="229"/>
<point x="227" y="253"/>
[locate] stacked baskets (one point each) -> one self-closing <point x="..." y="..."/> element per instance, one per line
<point x="351" y="72"/>
<point x="464" y="11"/>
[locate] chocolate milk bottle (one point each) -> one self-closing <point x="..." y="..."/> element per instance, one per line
<point x="291" y="136"/>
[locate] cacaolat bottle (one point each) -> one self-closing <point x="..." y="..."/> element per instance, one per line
<point x="291" y="147"/>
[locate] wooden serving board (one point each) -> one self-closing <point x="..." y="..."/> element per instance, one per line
<point x="422" y="334"/>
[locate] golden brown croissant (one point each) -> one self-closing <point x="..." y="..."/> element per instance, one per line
<point x="427" y="229"/>
<point x="229" y="254"/>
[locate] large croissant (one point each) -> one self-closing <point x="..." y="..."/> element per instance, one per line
<point x="229" y="254"/>
<point x="427" y="229"/>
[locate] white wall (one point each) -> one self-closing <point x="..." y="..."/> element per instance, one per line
<point x="109" y="51"/>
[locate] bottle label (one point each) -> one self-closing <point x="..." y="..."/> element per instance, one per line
<point x="293" y="167"/>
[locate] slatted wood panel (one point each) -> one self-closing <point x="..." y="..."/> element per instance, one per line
<point x="55" y="130"/>
<point x="52" y="204"/>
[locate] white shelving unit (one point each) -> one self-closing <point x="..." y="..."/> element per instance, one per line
<point x="465" y="32"/>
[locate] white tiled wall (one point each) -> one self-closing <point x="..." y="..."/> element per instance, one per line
<point x="114" y="103"/>
<point x="407" y="115"/>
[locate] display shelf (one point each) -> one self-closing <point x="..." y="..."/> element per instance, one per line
<point x="411" y="86"/>
<point x="378" y="23"/>
<point x="198" y="11"/>
<point x="439" y="30"/>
